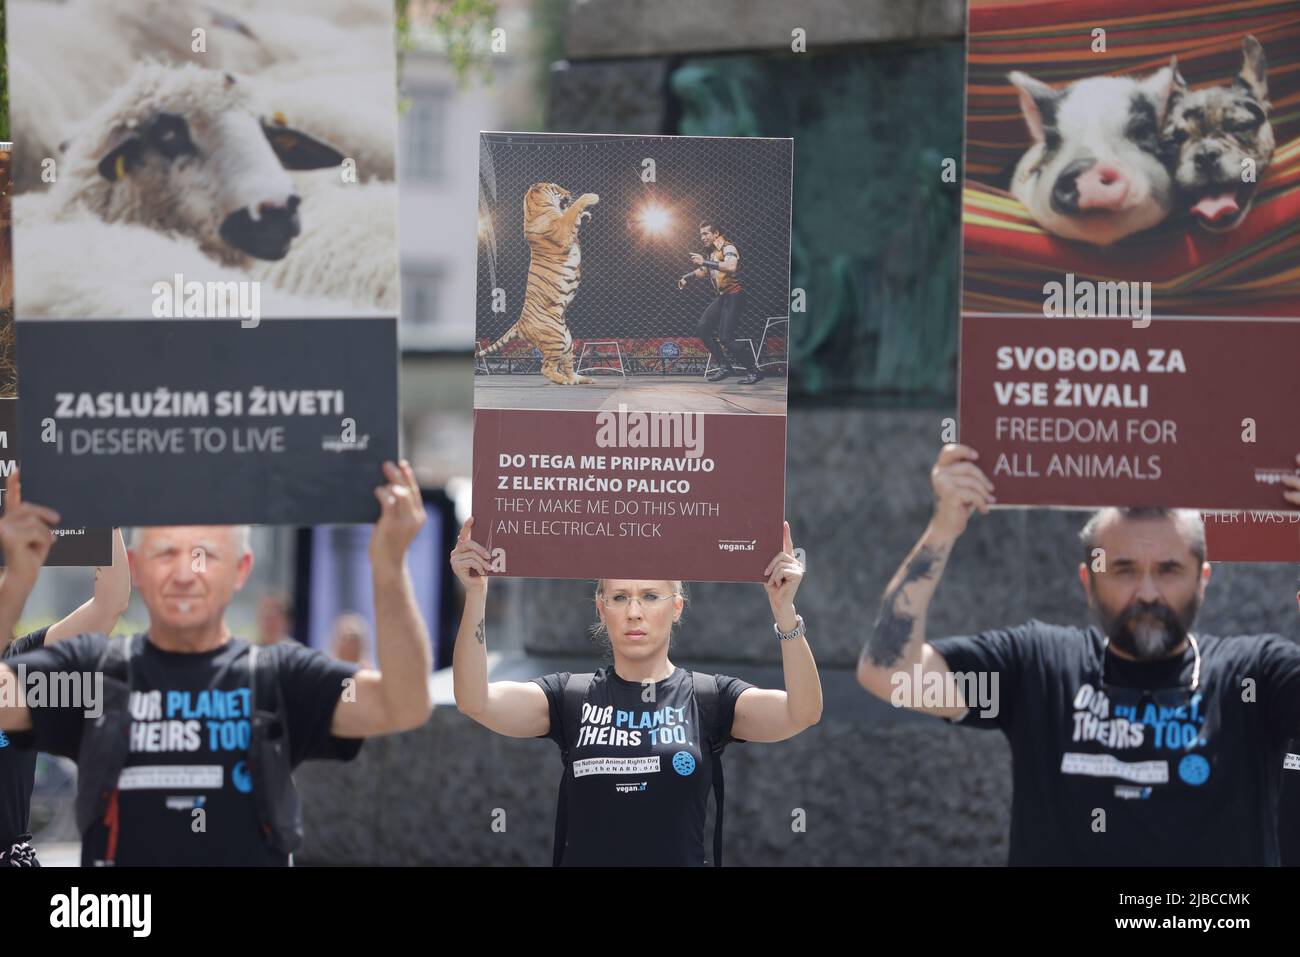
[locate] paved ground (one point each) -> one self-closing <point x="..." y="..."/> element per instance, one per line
<point x="641" y="393"/>
<point x="59" y="855"/>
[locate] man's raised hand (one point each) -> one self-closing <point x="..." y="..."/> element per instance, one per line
<point x="401" y="514"/>
<point x="26" y="532"/>
<point x="960" y="488"/>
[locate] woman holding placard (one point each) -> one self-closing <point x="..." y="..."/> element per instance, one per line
<point x="641" y="739"/>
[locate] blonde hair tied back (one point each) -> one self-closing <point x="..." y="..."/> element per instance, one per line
<point x="601" y="634"/>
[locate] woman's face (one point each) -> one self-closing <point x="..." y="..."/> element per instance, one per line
<point x="639" y="616"/>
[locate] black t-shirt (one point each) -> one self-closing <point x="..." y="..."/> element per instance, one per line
<point x="17" y="764"/>
<point x="185" y="794"/>
<point x="1288" y="824"/>
<point x="640" y="776"/>
<point x="1111" y="777"/>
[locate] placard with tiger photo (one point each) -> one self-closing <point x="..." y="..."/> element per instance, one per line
<point x="633" y="312"/>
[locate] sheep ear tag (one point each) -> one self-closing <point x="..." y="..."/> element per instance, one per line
<point x="297" y="150"/>
<point x="120" y="159"/>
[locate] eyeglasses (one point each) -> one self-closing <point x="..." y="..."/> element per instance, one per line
<point x="1170" y="698"/>
<point x="620" y="602"/>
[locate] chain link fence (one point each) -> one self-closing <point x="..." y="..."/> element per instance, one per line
<point x="628" y="314"/>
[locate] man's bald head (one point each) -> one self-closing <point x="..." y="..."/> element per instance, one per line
<point x="1187" y="520"/>
<point x="186" y="576"/>
<point x="241" y="536"/>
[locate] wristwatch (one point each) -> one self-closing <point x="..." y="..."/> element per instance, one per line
<point x="790" y="635"/>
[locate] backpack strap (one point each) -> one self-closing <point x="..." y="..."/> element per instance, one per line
<point x="263" y="681"/>
<point x="279" y="811"/>
<point x="571" y="702"/>
<point x="115" y="659"/>
<point x="706" y="705"/>
<point x="106" y="743"/>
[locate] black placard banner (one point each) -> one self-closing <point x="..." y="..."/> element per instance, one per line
<point x="75" y="545"/>
<point x="205" y="264"/>
<point x="287" y="422"/>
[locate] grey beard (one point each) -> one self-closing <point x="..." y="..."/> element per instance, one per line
<point x="1150" y="640"/>
<point x="1153" y="641"/>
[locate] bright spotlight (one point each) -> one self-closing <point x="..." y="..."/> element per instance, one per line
<point x="654" y="219"/>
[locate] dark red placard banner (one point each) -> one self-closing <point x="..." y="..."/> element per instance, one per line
<point x="1252" y="536"/>
<point x="1090" y="414"/>
<point x="584" y="510"/>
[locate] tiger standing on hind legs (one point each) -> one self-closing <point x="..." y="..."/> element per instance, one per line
<point x="551" y="221"/>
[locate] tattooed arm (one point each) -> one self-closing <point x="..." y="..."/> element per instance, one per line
<point x="518" y="709"/>
<point x="897" y="643"/>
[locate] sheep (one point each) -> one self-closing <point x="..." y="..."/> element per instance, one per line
<point x="340" y="108"/>
<point x="314" y="37"/>
<point x="128" y="260"/>
<point x="322" y="62"/>
<point x="164" y="30"/>
<point x="357" y="229"/>
<point x="349" y="14"/>
<point x="182" y="150"/>
<point x="330" y="79"/>
<point x="186" y="150"/>
<point x="66" y="55"/>
<point x="44" y="98"/>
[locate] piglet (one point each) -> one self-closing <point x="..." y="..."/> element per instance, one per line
<point x="1094" y="172"/>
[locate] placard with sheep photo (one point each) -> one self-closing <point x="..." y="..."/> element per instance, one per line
<point x="205" y="256"/>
